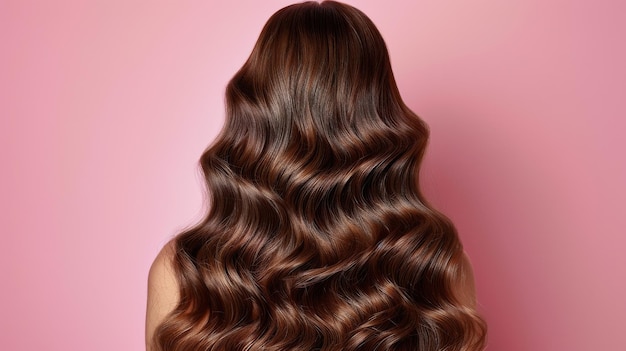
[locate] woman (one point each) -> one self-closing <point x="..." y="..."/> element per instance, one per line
<point x="317" y="236"/>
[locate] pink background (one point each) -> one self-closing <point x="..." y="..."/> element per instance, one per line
<point x="106" y="107"/>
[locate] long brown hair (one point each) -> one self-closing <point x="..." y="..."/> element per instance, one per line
<point x="317" y="236"/>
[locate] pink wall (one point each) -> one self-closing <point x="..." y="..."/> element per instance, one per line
<point x="106" y="107"/>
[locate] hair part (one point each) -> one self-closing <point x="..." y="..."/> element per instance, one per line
<point x="317" y="236"/>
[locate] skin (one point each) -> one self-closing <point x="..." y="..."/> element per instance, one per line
<point x="162" y="291"/>
<point x="466" y="289"/>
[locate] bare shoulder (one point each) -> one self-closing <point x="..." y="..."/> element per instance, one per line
<point x="162" y="290"/>
<point x="467" y="289"/>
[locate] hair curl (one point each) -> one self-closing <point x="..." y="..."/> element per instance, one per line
<point x="317" y="236"/>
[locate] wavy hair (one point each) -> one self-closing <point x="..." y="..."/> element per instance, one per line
<point x="317" y="236"/>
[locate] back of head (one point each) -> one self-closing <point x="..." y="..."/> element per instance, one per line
<point x="317" y="236"/>
<point x="319" y="78"/>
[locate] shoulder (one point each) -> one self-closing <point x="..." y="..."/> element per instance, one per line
<point x="466" y="290"/>
<point x="162" y="273"/>
<point x="163" y="292"/>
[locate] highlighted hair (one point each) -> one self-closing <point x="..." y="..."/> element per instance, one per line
<point x="317" y="236"/>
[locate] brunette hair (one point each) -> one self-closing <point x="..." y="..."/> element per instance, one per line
<point x="317" y="236"/>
